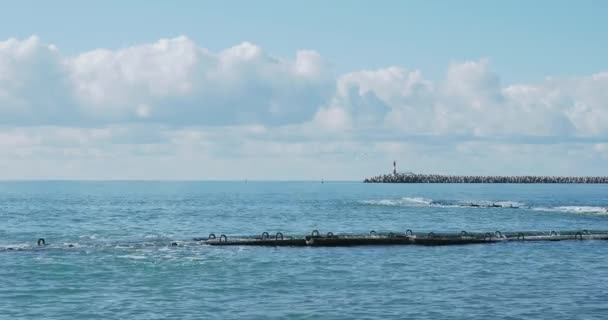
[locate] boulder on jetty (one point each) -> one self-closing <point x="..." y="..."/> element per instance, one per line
<point x="436" y="178"/>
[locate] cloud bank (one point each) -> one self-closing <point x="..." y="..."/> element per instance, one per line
<point x="170" y="81"/>
<point x="173" y="101"/>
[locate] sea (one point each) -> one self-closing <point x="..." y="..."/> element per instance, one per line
<point x="108" y="251"/>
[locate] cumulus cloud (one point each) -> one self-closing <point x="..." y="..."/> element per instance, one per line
<point x="176" y="82"/>
<point x="33" y="83"/>
<point x="470" y="101"/>
<point x="170" y="81"/>
<point x="151" y="106"/>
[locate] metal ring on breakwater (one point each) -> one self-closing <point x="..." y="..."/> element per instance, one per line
<point x="265" y="235"/>
<point x="314" y="233"/>
<point x="580" y="235"/>
<point x="41" y="242"/>
<point x="276" y="237"/>
<point x="520" y="236"/>
<point x="211" y="236"/>
<point x="463" y="234"/>
<point x="330" y="234"/>
<point x="488" y="236"/>
<point x="225" y="238"/>
<point x="553" y="233"/>
<point x="498" y="234"/>
<point x="372" y="233"/>
<point x="409" y="232"/>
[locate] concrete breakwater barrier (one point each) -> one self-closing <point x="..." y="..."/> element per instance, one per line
<point x="316" y="239"/>
<point x="436" y="178"/>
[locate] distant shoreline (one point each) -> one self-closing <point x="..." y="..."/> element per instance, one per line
<point x="436" y="178"/>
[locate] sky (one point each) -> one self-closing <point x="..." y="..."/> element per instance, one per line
<point x="310" y="90"/>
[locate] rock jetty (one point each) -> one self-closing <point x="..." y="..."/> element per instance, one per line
<point x="436" y="178"/>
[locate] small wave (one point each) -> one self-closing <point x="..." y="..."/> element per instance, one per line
<point x="18" y="246"/>
<point x="575" y="209"/>
<point x="28" y="247"/>
<point x="132" y="256"/>
<point x="406" y="201"/>
<point x="425" y="202"/>
<point x="72" y="245"/>
<point x="419" y="201"/>
<point x="491" y="204"/>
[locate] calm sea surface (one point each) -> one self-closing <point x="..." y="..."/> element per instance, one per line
<point x="109" y="253"/>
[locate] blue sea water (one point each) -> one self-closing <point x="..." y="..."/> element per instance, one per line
<point x="121" y="264"/>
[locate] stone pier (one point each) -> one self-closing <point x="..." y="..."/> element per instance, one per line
<point x="437" y="178"/>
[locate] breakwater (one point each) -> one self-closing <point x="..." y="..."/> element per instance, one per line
<point x="316" y="239"/>
<point x="437" y="178"/>
<point x="329" y="239"/>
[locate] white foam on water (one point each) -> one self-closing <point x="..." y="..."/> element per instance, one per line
<point x="575" y="209"/>
<point x="510" y="204"/>
<point x="424" y="202"/>
<point x="483" y="204"/>
<point x="491" y="204"/>
<point x="72" y="245"/>
<point x="405" y="201"/>
<point x="18" y="246"/>
<point x="133" y="256"/>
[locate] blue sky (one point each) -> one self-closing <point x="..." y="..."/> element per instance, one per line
<point x="526" y="40"/>
<point x="301" y="90"/>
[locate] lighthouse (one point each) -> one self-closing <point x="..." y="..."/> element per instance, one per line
<point x="394" y="167"/>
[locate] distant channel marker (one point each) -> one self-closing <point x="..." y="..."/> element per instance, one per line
<point x="437" y="178"/>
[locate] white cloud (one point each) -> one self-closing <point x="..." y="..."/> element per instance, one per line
<point x="472" y="102"/>
<point x="239" y="152"/>
<point x="174" y="105"/>
<point x="175" y="81"/>
<point x="33" y="86"/>
<point x="333" y="119"/>
<point x="170" y="81"/>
